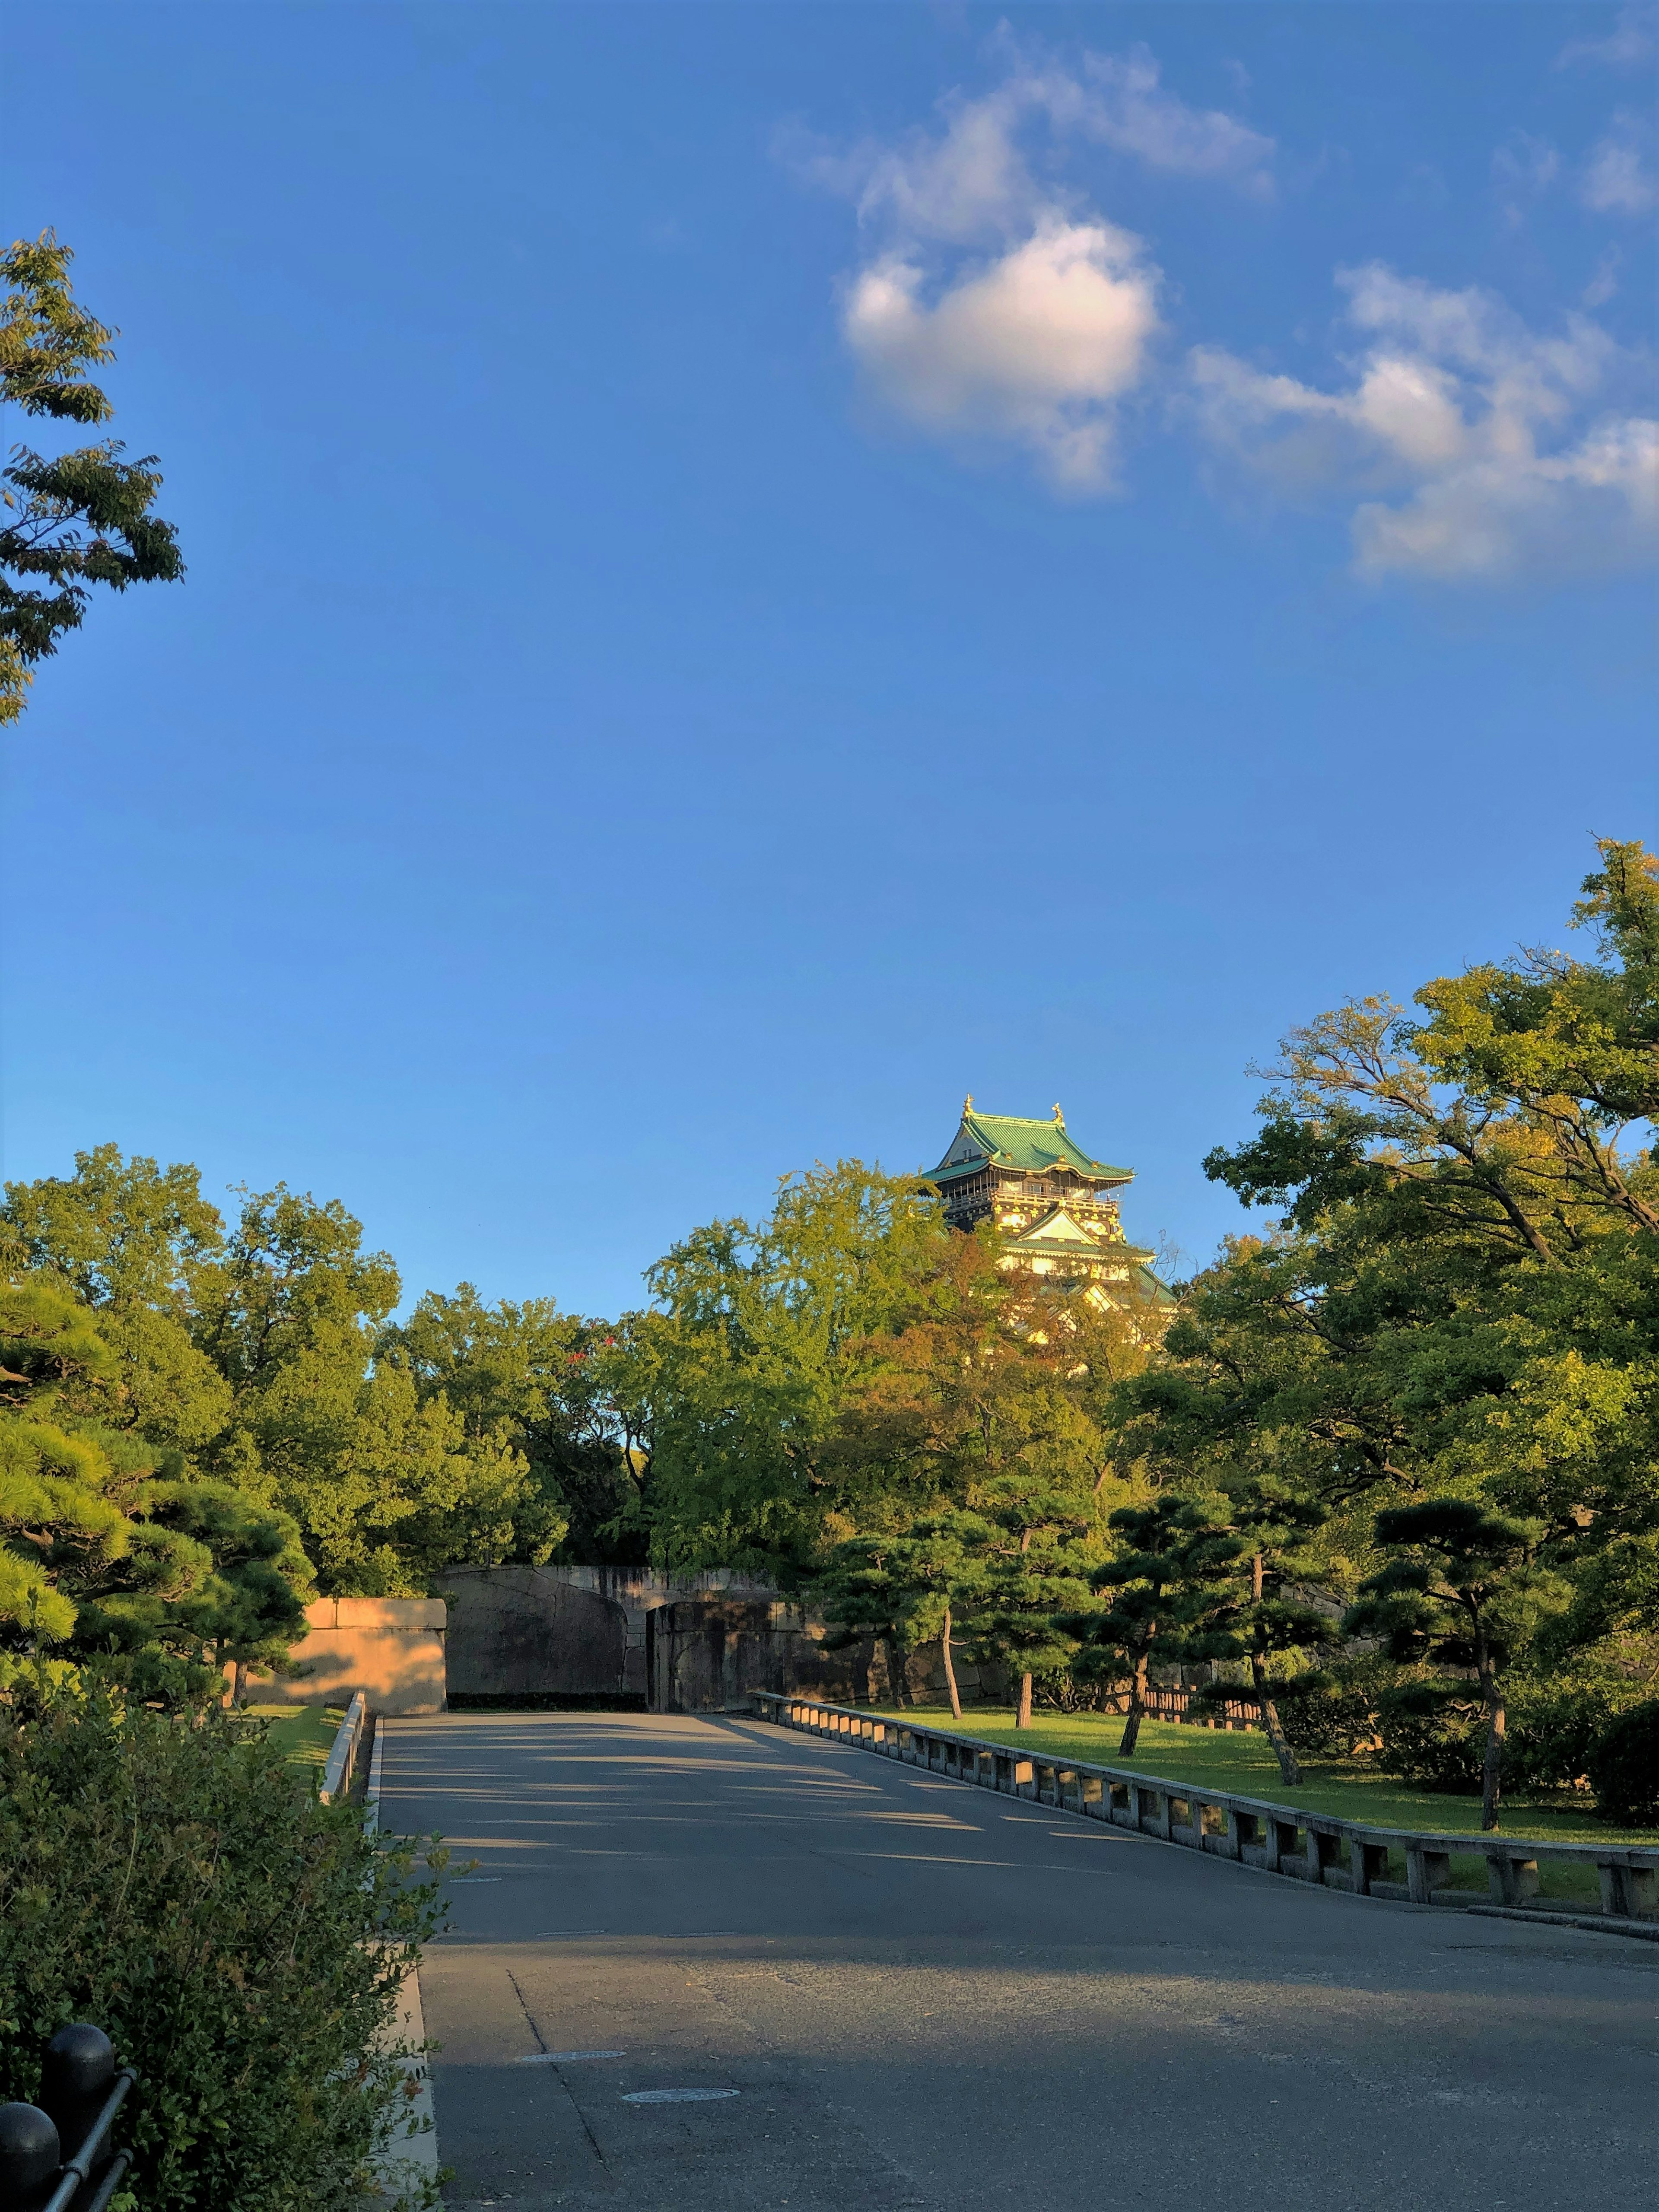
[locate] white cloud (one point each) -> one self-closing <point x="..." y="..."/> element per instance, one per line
<point x="1037" y="344"/>
<point x="1630" y="42"/>
<point x="1492" y="452"/>
<point x="993" y="301"/>
<point x="1616" y="180"/>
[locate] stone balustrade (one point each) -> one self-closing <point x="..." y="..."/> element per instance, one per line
<point x="1285" y="1839"/>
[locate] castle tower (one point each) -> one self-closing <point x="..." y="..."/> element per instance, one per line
<point x="1052" y="1207"/>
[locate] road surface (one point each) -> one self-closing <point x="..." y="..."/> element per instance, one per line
<point x="928" y="1996"/>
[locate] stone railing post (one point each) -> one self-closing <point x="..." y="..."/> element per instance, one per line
<point x="1367" y="1862"/>
<point x="1511" y="1881"/>
<point x="1427" y="1871"/>
<point x="1631" y="1892"/>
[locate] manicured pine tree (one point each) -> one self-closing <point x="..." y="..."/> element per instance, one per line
<point x="1457" y="1591"/>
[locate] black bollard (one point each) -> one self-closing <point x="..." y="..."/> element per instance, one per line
<point x="30" y="2155"/>
<point x="75" y="2078"/>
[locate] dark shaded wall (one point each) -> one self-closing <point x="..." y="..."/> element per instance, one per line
<point x="621" y="1635"/>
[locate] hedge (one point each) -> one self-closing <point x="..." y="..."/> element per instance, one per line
<point x="178" y="1883"/>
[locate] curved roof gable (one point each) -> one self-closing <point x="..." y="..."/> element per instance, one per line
<point x="1008" y="1140"/>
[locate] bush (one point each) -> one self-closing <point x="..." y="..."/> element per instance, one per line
<point x="1070" y="1690"/>
<point x="1433" y="1734"/>
<point x="1624" y="1767"/>
<point x="1333" y="1712"/>
<point x="242" y="1944"/>
<point x="1553" y="1724"/>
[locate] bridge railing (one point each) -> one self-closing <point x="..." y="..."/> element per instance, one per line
<point x="56" y="2156"/>
<point x="1352" y="1855"/>
<point x="342" y="1752"/>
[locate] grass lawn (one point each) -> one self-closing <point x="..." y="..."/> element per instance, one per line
<point x="304" y="1734"/>
<point x="1244" y="1762"/>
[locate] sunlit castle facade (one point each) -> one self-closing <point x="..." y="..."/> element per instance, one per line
<point x="1053" y="1208"/>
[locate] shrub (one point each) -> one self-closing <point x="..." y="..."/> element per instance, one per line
<point x="1333" y="1712"/>
<point x="1074" y="1690"/>
<point x="1433" y="1734"/>
<point x="1624" y="1767"/>
<point x="242" y="1944"/>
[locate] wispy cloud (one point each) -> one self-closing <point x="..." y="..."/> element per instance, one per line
<point x="1522" y="168"/>
<point x="1121" y="101"/>
<point x="1491" y="452"/>
<point x="1617" y="179"/>
<point x="993" y="301"/>
<point x="1626" y="45"/>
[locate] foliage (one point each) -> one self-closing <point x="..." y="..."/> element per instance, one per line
<point x="570" y="1397"/>
<point x="1332" y="1712"/>
<point x="1456" y="1311"/>
<point x="1164" y="1576"/>
<point x="249" y="1351"/>
<point x="80" y="518"/>
<point x="908" y="1589"/>
<point x="1624" y="1767"/>
<point x="1457" y="1592"/>
<point x="107" y="1550"/>
<point x="242" y="1944"/>
<point x="765" y="1337"/>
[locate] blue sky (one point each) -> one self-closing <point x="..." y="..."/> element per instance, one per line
<point x="754" y="569"/>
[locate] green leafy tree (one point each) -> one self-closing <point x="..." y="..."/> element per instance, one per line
<point x="1458" y="1298"/>
<point x="764" y="1332"/>
<point x="1457" y="1592"/>
<point x="56" y="1515"/>
<point x="250" y="1351"/>
<point x="76" y="519"/>
<point x="572" y="1396"/>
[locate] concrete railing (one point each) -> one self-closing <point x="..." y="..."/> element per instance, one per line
<point x="342" y="1752"/>
<point x="1283" y="1839"/>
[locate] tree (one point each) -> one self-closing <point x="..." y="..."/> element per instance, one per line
<point x="764" y="1331"/>
<point x="1255" y="1626"/>
<point x="1174" y="1555"/>
<point x="108" y="1552"/>
<point x="55" y="1508"/>
<point x="909" y="1589"/>
<point x="1456" y="1592"/>
<point x="570" y="1395"/>
<point x="984" y="1396"/>
<point x="79" y="519"/>
<point x="251" y="1353"/>
<point x="1458" y="1297"/>
<point x="1032" y="1576"/>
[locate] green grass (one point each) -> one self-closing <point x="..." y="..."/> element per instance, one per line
<point x="304" y="1734"/>
<point x="1243" y="1762"/>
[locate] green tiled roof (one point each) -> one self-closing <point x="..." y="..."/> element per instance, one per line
<point x="1009" y="1141"/>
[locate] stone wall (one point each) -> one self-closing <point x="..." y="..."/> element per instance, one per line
<point x="621" y="1636"/>
<point x="594" y="1636"/>
<point x="392" y="1649"/>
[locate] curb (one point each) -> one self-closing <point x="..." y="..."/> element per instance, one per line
<point x="415" y="2157"/>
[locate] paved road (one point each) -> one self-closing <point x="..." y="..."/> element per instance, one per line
<point x="929" y="1996"/>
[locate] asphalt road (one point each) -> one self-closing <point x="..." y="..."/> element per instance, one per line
<point x="927" y="1996"/>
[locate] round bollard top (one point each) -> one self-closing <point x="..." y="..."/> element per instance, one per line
<point x="79" y="2058"/>
<point x="75" y="2075"/>
<point x="29" y="2151"/>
